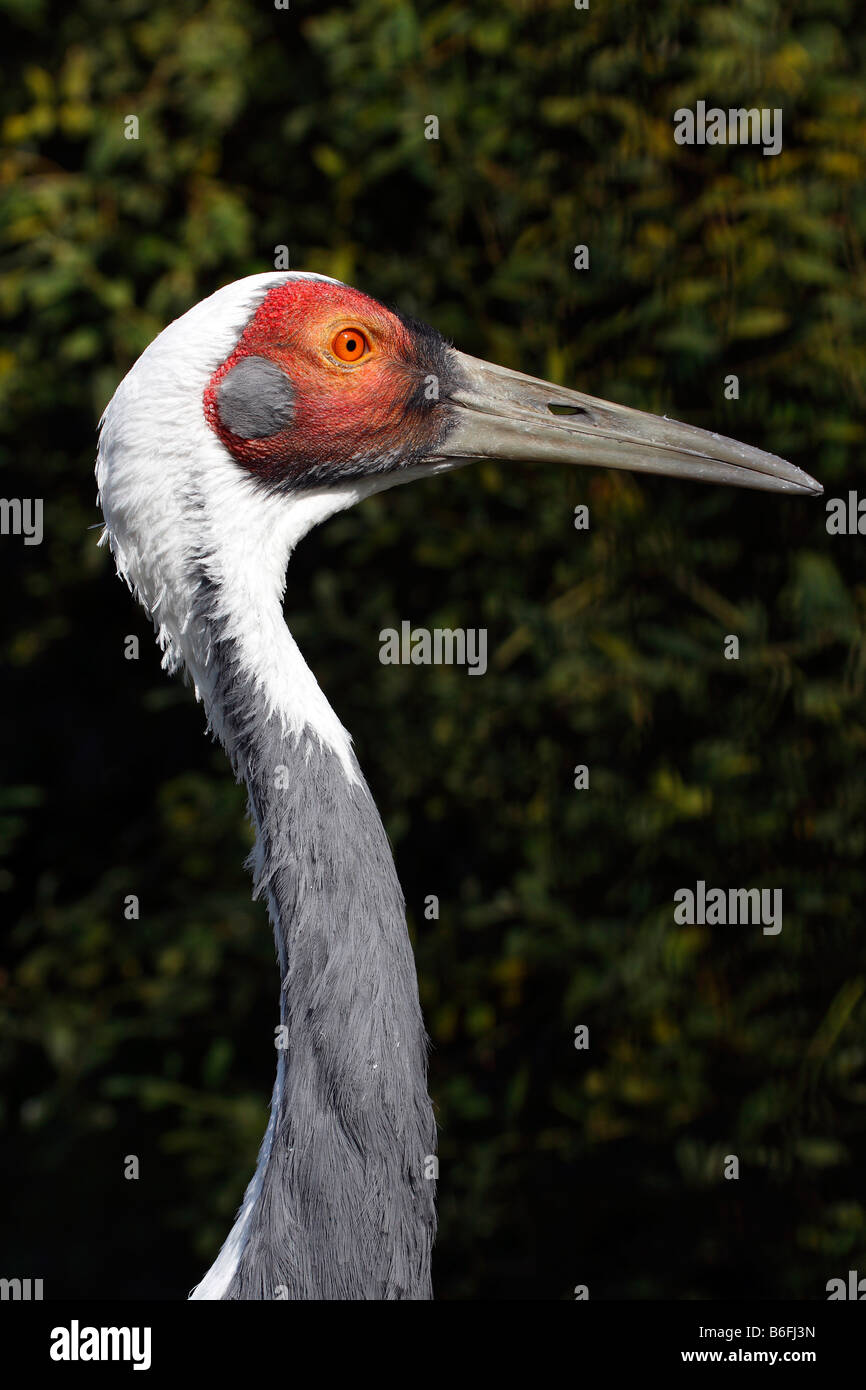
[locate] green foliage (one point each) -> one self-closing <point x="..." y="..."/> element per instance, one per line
<point x="154" y="1036"/>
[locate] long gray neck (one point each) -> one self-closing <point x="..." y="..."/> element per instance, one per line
<point x="340" y="1207"/>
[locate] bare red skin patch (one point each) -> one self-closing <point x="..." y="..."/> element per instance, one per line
<point x="349" y="418"/>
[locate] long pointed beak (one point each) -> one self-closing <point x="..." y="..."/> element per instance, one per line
<point x="500" y="414"/>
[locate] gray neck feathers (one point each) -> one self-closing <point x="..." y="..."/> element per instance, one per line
<point x="343" y="1209"/>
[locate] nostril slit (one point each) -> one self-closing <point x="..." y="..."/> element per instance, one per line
<point x="567" y="409"/>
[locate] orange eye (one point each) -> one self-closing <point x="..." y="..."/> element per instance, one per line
<point x="350" y="345"/>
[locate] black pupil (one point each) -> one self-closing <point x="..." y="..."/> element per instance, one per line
<point x="351" y="344"/>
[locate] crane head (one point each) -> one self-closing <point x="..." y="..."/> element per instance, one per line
<point x="286" y="397"/>
<point x="326" y="385"/>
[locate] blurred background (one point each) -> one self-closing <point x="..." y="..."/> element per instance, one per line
<point x="305" y="127"/>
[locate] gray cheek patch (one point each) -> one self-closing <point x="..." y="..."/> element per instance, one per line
<point x="255" y="399"/>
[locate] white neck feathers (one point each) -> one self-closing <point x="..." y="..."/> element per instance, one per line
<point x="175" y="503"/>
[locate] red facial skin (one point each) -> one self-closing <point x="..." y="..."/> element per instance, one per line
<point x="349" y="417"/>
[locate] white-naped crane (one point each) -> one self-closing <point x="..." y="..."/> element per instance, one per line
<point x="278" y="401"/>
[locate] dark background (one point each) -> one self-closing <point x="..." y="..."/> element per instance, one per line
<point x="154" y="1037"/>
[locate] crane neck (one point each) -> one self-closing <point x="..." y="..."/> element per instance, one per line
<point x="342" y="1202"/>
